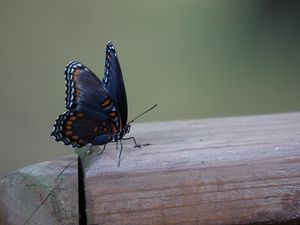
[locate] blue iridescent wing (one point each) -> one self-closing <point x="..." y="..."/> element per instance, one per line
<point x="114" y="84"/>
<point x="92" y="116"/>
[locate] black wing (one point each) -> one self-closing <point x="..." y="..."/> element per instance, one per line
<point x="92" y="115"/>
<point x="114" y="84"/>
<point x="78" y="129"/>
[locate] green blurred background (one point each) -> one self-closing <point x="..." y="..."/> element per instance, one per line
<point x="195" y="59"/>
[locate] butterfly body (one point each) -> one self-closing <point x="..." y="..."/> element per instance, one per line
<point x="97" y="110"/>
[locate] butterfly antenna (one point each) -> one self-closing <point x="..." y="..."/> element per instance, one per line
<point x="142" y="114"/>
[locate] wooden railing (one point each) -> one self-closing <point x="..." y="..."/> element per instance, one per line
<point x="223" y="171"/>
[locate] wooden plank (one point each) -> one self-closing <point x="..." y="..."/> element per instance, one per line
<point x="240" y="170"/>
<point x="44" y="193"/>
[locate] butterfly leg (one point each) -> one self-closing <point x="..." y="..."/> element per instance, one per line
<point x="120" y="154"/>
<point x="135" y="143"/>
<point x="99" y="153"/>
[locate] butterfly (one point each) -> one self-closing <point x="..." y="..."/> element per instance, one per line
<point x="97" y="110"/>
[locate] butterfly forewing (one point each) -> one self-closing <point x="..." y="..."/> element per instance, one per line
<point x="114" y="84"/>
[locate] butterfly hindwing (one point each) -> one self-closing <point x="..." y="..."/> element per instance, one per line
<point x="114" y="84"/>
<point x="78" y="129"/>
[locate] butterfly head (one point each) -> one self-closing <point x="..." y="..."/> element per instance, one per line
<point x="119" y="135"/>
<point x="126" y="129"/>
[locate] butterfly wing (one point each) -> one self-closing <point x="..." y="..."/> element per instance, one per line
<point x="92" y="116"/>
<point x="78" y="129"/>
<point x="114" y="84"/>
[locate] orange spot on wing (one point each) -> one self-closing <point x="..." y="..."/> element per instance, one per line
<point x="105" y="129"/>
<point x="69" y="122"/>
<point x="81" y="141"/>
<point x="77" y="92"/>
<point x="106" y="102"/>
<point x="95" y="129"/>
<point x="112" y="114"/>
<point x="68" y="133"/>
<point x="75" y="138"/>
<point x="80" y="114"/>
<point x="68" y="127"/>
<point x="72" y="118"/>
<point x="75" y="74"/>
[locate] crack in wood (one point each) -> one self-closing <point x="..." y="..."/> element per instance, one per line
<point x="49" y="194"/>
<point x="81" y="194"/>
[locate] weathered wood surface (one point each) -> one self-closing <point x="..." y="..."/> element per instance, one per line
<point x="41" y="194"/>
<point x="241" y="170"/>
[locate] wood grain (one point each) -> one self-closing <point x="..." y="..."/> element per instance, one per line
<point x="239" y="170"/>
<point x="44" y="193"/>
